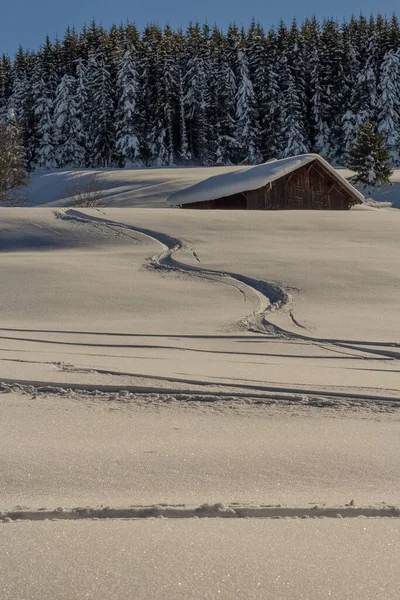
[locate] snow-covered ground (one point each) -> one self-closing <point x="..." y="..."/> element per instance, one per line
<point x="72" y="450"/>
<point x="148" y="188"/>
<point x="339" y="559"/>
<point x="156" y="361"/>
<point x="138" y="188"/>
<point x="83" y="303"/>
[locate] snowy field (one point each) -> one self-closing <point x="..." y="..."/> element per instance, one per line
<point x="292" y="302"/>
<point x="176" y="371"/>
<point x="341" y="559"/>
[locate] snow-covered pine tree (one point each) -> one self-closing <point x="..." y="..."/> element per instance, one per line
<point x="382" y="32"/>
<point x="131" y="36"/>
<point x="222" y="102"/>
<point x="22" y="101"/>
<point x="310" y="36"/>
<point x="148" y="60"/>
<point x="68" y="135"/>
<point x="298" y="59"/>
<point x="180" y="130"/>
<point x="370" y="158"/>
<point x="247" y="126"/>
<point x="115" y="51"/>
<point x="43" y="111"/>
<point x="259" y="54"/>
<point x="389" y="105"/>
<point x="162" y="134"/>
<point x="50" y="65"/>
<point x="365" y="91"/>
<point x="71" y="52"/>
<point x="127" y="138"/>
<point x="273" y="121"/>
<point x="321" y="143"/>
<point x="82" y="108"/>
<point x="19" y="87"/>
<point x="351" y="69"/>
<point x="293" y="136"/>
<point x="5" y="86"/>
<point x="394" y="33"/>
<point x="100" y="127"/>
<point x="13" y="171"/>
<point x="197" y="98"/>
<point x="183" y="150"/>
<point x="333" y="83"/>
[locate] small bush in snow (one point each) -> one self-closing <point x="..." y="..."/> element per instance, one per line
<point x="87" y="190"/>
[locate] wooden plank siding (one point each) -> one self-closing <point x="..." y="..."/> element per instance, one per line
<point x="235" y="202"/>
<point x="311" y="187"/>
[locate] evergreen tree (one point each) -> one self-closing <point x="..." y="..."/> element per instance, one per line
<point x="68" y="133"/>
<point x="13" y="172"/>
<point x="389" y="105"/>
<point x="272" y="137"/>
<point x="82" y="108"/>
<point x="370" y="158"/>
<point x="348" y="117"/>
<point x="247" y="129"/>
<point x="183" y="152"/>
<point x="320" y="107"/>
<point x="128" y="123"/>
<point x="100" y="132"/>
<point x="5" y="86"/>
<point x="161" y="136"/>
<point x="149" y="69"/>
<point x="197" y="97"/>
<point x="70" y="52"/>
<point x="331" y="61"/>
<point x="222" y="110"/>
<point x="293" y="137"/>
<point x="365" y="91"/>
<point x="297" y="60"/>
<point x="207" y="96"/>
<point x="43" y="111"/>
<point x="259" y="52"/>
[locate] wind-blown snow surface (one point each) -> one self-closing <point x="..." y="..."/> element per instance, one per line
<point x="241" y="360"/>
<point x="81" y="302"/>
<point x="180" y="560"/>
<point x="139" y="188"/>
<point x="149" y="188"/>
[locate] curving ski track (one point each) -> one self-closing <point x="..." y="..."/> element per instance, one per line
<point x="271" y="296"/>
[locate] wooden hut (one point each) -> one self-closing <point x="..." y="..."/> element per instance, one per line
<point x="305" y="182"/>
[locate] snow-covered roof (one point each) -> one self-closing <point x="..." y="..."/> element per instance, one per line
<point x="251" y="178"/>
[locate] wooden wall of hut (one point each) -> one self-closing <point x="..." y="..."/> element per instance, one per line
<point x="311" y="187"/>
<point x="234" y="202"/>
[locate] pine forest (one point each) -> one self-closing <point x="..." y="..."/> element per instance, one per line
<point x="158" y="97"/>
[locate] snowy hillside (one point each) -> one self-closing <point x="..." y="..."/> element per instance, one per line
<point x="146" y="188"/>
<point x="166" y="373"/>
<point x="318" y="275"/>
<point x="120" y="187"/>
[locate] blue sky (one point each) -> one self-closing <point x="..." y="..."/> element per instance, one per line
<point x="27" y="21"/>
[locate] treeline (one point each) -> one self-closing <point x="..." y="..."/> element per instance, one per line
<point x="121" y="97"/>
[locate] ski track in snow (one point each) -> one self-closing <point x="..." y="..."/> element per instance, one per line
<point x="270" y="295"/>
<point x="205" y="511"/>
<point x="271" y="298"/>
